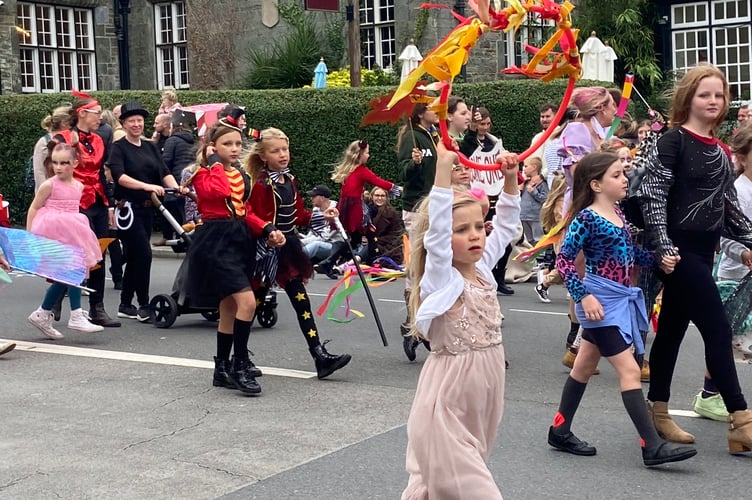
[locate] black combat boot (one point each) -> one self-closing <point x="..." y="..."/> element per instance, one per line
<point x="222" y="374"/>
<point x="255" y="371"/>
<point x="100" y="317"/>
<point x="242" y="378"/>
<point x="326" y="363"/>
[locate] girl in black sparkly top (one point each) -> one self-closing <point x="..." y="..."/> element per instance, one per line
<point x="275" y="197"/>
<point x="688" y="201"/>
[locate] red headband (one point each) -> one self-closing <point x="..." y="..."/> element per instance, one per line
<point x="88" y="105"/>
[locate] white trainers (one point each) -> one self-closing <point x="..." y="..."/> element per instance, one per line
<point x="43" y="320"/>
<point x="79" y="320"/>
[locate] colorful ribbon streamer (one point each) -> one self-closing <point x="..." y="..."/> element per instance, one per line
<point x="444" y="62"/>
<point x="626" y="95"/>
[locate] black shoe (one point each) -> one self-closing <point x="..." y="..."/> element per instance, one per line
<point x="99" y="316"/>
<point x="326" y="363"/>
<point x="255" y="371"/>
<point x="568" y="442"/>
<point x="145" y="314"/>
<point x="242" y="379"/>
<point x="503" y="289"/>
<point x="666" y="453"/>
<point x="409" y="343"/>
<point x="127" y="311"/>
<point x="222" y="377"/>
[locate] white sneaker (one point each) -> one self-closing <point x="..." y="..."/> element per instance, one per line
<point x="43" y="320"/>
<point x="79" y="320"/>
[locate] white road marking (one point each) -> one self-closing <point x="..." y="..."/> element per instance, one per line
<point x="684" y="413"/>
<point x="143" y="358"/>
<point x="537" y="312"/>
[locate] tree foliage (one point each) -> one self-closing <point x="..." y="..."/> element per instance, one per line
<point x="629" y="27"/>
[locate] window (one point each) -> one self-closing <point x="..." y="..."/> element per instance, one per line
<point x="689" y="15"/>
<point x="690" y="48"/>
<point x="728" y="22"/>
<point x="377" y="36"/>
<point x="172" y="46"/>
<point x="732" y="56"/>
<point x="56" y="48"/>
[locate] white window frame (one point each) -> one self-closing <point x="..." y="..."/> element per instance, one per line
<point x="697" y="7"/>
<point x="171" y="45"/>
<point x="734" y="19"/>
<point x="741" y="83"/>
<point x="697" y="49"/>
<point x="41" y="53"/>
<point x="372" y="33"/>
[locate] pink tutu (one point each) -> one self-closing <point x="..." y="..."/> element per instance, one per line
<point x="60" y="220"/>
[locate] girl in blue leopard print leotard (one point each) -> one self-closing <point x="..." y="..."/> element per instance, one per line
<point x="610" y="311"/>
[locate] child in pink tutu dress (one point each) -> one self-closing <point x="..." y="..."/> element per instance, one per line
<point x="459" y="400"/>
<point x="54" y="214"/>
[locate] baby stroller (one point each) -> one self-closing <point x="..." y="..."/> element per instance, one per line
<point x="167" y="307"/>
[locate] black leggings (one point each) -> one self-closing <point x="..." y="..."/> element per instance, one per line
<point x="99" y="221"/>
<point x="690" y="294"/>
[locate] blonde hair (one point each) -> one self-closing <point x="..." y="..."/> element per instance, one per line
<point x="254" y="164"/>
<point x="684" y="92"/>
<point x="417" y="266"/>
<point x="59" y="119"/>
<point x="170" y="95"/>
<point x="536" y="162"/>
<point x="349" y="162"/>
<point x="549" y="210"/>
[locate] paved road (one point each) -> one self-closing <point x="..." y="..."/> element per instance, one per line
<point x="130" y="413"/>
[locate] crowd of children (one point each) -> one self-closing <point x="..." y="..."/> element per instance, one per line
<point x="249" y="208"/>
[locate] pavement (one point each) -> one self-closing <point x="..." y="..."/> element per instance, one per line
<point x="130" y="413"/>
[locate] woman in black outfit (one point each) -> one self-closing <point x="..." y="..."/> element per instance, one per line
<point x="138" y="170"/>
<point x="688" y="201"/>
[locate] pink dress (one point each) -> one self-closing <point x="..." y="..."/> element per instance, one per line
<point x="59" y="219"/>
<point x="459" y="402"/>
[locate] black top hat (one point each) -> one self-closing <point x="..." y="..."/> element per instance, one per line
<point x="131" y="108"/>
<point x="320" y="190"/>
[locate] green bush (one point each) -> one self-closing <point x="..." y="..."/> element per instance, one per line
<point x="319" y="122"/>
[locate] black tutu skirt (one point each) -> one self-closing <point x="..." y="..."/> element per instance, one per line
<point x="222" y="257"/>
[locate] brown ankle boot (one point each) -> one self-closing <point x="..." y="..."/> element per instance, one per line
<point x="665" y="425"/>
<point x="740" y="431"/>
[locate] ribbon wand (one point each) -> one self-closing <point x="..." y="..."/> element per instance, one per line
<point x="626" y="94"/>
<point x="362" y="277"/>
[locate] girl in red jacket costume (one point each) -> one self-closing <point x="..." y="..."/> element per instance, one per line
<point x="353" y="174"/>
<point x="222" y="254"/>
<point x="275" y="197"/>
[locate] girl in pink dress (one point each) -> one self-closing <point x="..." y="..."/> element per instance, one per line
<point x="460" y="396"/>
<point x="54" y="214"/>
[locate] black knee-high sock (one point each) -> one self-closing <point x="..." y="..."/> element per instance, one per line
<point x="302" y="305"/>
<point x="571" y="396"/>
<point x="573" y="329"/>
<point x="224" y="345"/>
<point x="634" y="402"/>
<point x="241" y="330"/>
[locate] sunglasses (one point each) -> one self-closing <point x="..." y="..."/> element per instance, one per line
<point x="93" y="111"/>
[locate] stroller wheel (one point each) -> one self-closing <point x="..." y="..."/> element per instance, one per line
<point x="266" y="316"/>
<point x="165" y="310"/>
<point x="210" y="315"/>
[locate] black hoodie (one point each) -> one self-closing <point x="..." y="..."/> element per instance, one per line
<point x="179" y="152"/>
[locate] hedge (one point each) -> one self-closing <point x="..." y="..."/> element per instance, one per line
<point x="319" y="122"/>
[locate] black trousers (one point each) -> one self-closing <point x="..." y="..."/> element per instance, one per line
<point x="136" y="240"/>
<point x="690" y="294"/>
<point x="99" y="221"/>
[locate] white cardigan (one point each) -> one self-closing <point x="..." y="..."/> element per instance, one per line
<point x="442" y="284"/>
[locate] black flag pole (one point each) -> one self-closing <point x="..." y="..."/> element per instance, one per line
<point x="362" y="276"/>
